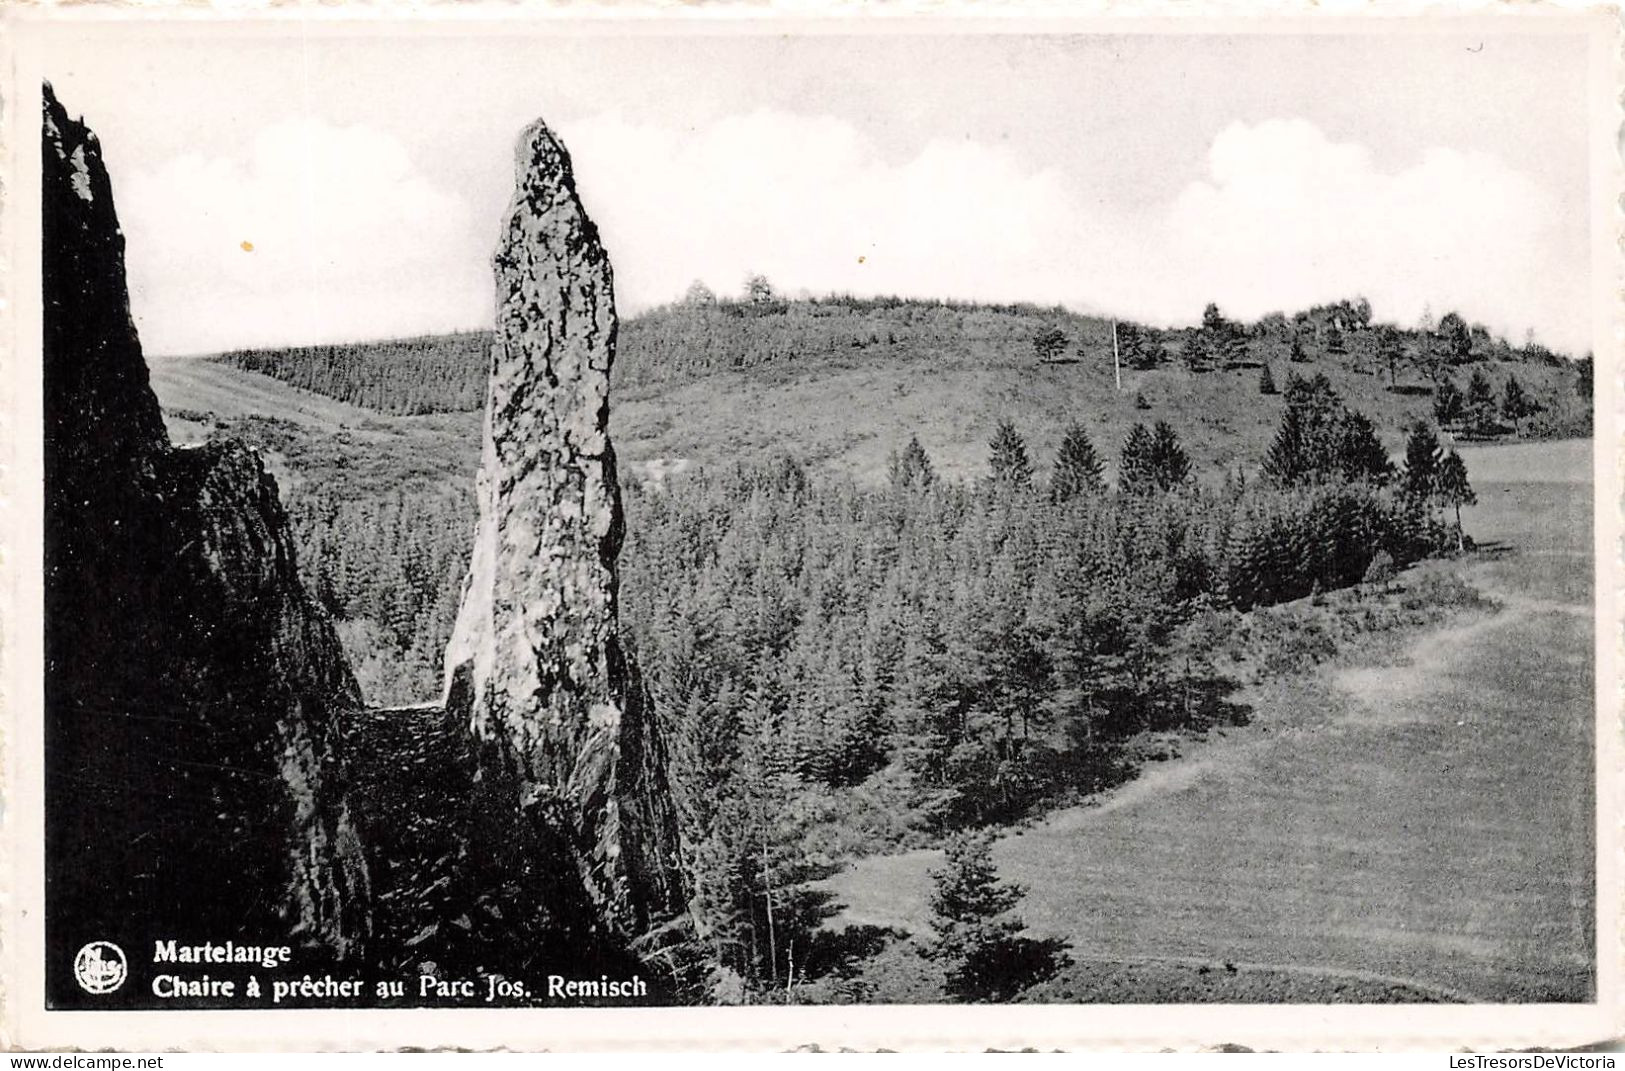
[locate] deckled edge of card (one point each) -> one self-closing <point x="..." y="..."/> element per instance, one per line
<point x="25" y="1025"/>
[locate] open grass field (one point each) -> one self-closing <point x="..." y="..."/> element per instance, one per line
<point x="191" y="386"/>
<point x="305" y="436"/>
<point x="1419" y="827"/>
<point x="850" y="415"/>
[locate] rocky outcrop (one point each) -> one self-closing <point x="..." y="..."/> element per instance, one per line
<point x="192" y="687"/>
<point x="535" y="667"/>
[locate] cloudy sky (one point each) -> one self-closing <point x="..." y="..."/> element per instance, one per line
<point x="325" y="184"/>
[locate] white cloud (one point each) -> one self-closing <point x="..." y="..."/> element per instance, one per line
<point x="1288" y="217"/>
<point x="1284" y="218"/>
<point x="807" y="202"/>
<point x="348" y="240"/>
<point x="351" y="241"/>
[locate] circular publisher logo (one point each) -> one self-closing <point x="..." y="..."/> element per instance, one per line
<point x="100" y="967"/>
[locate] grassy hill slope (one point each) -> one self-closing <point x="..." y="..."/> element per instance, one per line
<point x="843" y="383"/>
<point x="1371" y="817"/>
<point x="849" y="417"/>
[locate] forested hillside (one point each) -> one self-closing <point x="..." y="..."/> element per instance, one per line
<point x="446" y="373"/>
<point x="848" y="668"/>
<point x="703" y="336"/>
<point x="849" y="658"/>
<point x="406" y="376"/>
<point x="382" y="504"/>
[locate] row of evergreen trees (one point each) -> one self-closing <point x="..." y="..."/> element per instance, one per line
<point x="1475" y="410"/>
<point x="1152" y="460"/>
<point x="1343" y="330"/>
<point x="407" y="376"/>
<point x="447" y="373"/>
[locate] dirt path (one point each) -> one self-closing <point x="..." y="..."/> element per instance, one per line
<point x="1431" y="994"/>
<point x="1427" y="821"/>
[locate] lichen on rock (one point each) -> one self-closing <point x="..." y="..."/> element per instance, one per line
<point x="535" y="664"/>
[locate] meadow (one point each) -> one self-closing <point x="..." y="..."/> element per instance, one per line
<point x="1412" y="821"/>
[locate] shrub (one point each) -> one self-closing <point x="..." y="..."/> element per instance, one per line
<point x="1381" y="570"/>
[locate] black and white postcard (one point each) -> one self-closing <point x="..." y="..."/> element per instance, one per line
<point x="919" y="531"/>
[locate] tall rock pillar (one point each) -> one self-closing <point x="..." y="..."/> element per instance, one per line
<point x="534" y="663"/>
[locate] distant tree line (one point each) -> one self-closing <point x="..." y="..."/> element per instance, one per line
<point x="408" y="377"/>
<point x="704" y="334"/>
<point x="1344" y="332"/>
<point x="1479" y="410"/>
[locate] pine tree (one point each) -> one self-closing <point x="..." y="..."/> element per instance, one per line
<point x="1515" y="404"/>
<point x="1288" y="461"/>
<point x="1455" y="337"/>
<point x="1008" y="462"/>
<point x="1139" y="348"/>
<point x="1421" y="480"/>
<point x="1170" y="466"/>
<point x="912" y="468"/>
<point x="1448" y="403"/>
<point x="1320" y="438"/>
<point x="1455" y="490"/>
<point x="976" y="936"/>
<point x="1297" y="354"/>
<point x="1360" y="454"/>
<point x="1134" y="468"/>
<point x="1480" y="404"/>
<point x="1266" y="380"/>
<point x="1314" y="395"/>
<point x="1077" y="467"/>
<point x="1050" y="343"/>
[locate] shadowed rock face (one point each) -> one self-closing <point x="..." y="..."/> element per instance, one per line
<point x="192" y="688"/>
<point x="534" y="664"/>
